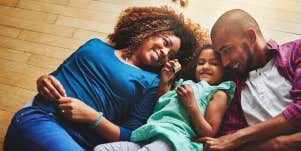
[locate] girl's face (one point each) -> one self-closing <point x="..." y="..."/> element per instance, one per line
<point x="157" y="50"/>
<point x="209" y="67"/>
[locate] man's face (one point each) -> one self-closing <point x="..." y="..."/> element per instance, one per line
<point x="235" y="52"/>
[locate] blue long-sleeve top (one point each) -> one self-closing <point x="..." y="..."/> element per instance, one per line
<point x="126" y="95"/>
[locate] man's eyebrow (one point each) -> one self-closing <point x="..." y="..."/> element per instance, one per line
<point x="222" y="48"/>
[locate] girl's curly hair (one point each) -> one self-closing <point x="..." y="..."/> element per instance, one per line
<point x="136" y="24"/>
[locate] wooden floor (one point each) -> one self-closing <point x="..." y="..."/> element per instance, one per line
<point x="36" y="35"/>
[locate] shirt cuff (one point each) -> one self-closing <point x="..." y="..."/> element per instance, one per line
<point x="293" y="115"/>
<point x="125" y="134"/>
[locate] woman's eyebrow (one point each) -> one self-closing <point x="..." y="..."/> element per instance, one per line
<point x="169" y="41"/>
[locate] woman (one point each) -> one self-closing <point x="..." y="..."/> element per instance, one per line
<point x="101" y="93"/>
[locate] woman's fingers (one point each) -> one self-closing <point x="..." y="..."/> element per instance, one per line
<point x="58" y="86"/>
<point x="50" y="87"/>
<point x="46" y="93"/>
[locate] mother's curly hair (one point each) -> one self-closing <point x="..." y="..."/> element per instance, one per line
<point x="136" y="24"/>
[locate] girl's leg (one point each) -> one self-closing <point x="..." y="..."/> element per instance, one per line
<point x="33" y="129"/>
<point x="118" y="146"/>
<point x="157" y="144"/>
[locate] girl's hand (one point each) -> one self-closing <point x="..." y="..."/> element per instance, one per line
<point x="186" y="94"/>
<point x="75" y="110"/>
<point x="168" y="72"/>
<point x="50" y="88"/>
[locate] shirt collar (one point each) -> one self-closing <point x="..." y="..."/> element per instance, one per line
<point x="272" y="45"/>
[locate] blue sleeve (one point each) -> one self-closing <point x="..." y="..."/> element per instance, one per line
<point x="89" y="45"/>
<point x="141" y="112"/>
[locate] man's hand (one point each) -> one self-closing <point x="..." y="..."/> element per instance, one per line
<point x="76" y="110"/>
<point x="50" y="88"/>
<point x="224" y="143"/>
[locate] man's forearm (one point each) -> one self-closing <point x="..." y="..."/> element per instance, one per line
<point x="281" y="143"/>
<point x="269" y="129"/>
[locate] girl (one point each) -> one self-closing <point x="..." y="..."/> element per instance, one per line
<point x="180" y="110"/>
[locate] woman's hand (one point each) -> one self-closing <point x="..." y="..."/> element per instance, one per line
<point x="186" y="94"/>
<point x="50" y="88"/>
<point x="168" y="71"/>
<point x="76" y="110"/>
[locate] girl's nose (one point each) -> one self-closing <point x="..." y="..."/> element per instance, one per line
<point x="206" y="65"/>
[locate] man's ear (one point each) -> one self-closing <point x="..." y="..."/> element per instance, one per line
<point x="251" y="36"/>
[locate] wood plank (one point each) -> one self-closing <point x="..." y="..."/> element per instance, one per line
<point x="44" y="61"/>
<point x="34" y="48"/>
<point x="20" y="75"/>
<point x="9" y="31"/>
<point x="30" y="59"/>
<point x="68" y="11"/>
<point x="86" y="35"/>
<point x="27" y="14"/>
<point x="37" y="26"/>
<point x="115" y="7"/>
<point x="14" y="55"/>
<point x="10" y="3"/>
<point x="267" y="18"/>
<point x="4" y="122"/>
<point x="1" y="142"/>
<point x="98" y="5"/>
<point x="280" y="37"/>
<point x="59" y="2"/>
<point x="13" y="98"/>
<point x="86" y="24"/>
<point x="51" y="40"/>
<point x="281" y="5"/>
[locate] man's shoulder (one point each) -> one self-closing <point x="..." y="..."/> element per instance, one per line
<point x="291" y="45"/>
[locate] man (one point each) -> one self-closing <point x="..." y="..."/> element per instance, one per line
<point x="266" y="111"/>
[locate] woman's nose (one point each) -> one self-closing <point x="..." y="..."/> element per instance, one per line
<point x="164" y="52"/>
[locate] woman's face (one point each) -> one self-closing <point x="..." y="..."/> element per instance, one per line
<point x="157" y="50"/>
<point x="209" y="67"/>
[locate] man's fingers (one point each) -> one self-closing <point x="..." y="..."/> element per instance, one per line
<point x="203" y="139"/>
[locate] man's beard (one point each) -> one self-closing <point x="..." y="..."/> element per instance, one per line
<point x="248" y="66"/>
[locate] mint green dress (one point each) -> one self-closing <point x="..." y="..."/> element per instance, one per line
<point x="170" y="120"/>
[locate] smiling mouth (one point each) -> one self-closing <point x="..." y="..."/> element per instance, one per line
<point x="235" y="65"/>
<point x="157" y="53"/>
<point x="205" y="74"/>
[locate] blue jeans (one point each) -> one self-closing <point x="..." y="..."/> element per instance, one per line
<point x="33" y="129"/>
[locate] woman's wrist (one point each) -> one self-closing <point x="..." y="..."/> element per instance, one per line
<point x="92" y="117"/>
<point x="97" y="121"/>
